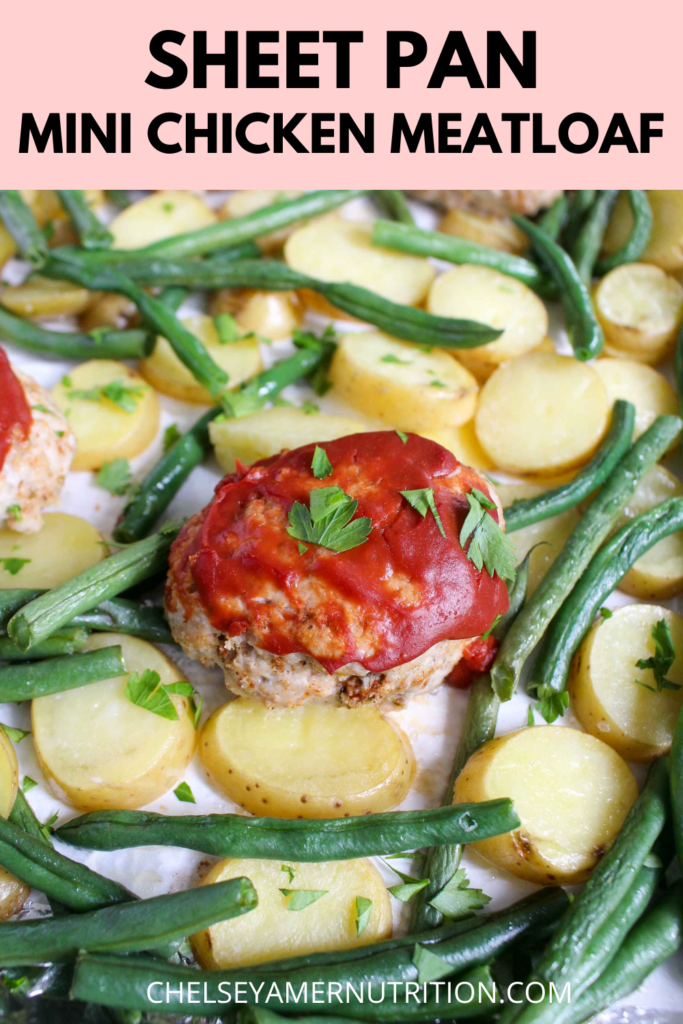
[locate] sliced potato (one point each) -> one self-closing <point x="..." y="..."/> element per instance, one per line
<point x="8" y="246"/>
<point x="333" y="249"/>
<point x="162" y="215"/>
<point x="99" y="750"/>
<point x="43" y="297"/>
<point x="163" y="369"/>
<point x="485" y="295"/>
<point x="640" y="309"/>
<point x="658" y="574"/>
<point x="265" y="433"/>
<point x="313" y="761"/>
<point x="649" y="391"/>
<point x="547" y="537"/>
<point x="109" y="310"/>
<point x="13" y="895"/>
<point x="46" y="205"/>
<point x="9" y="775"/>
<point x="570" y="790"/>
<point x="665" y="248"/>
<point x="464" y="444"/>
<point x="495" y="232"/>
<point x="272" y="315"/>
<point x="401" y="384"/>
<point x="542" y="413"/>
<point x="241" y="204"/>
<point x="63" y="547"/>
<point x="103" y="429"/>
<point x="273" y="931"/>
<point x="637" y="722"/>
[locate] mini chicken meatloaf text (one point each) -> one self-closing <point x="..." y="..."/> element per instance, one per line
<point x="36" y="449"/>
<point x="288" y="621"/>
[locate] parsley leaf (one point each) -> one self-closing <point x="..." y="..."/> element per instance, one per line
<point x="184" y="793"/>
<point x="409" y="886"/>
<point x="302" y="898"/>
<point x="171" y="435"/>
<point x="488" y="545"/>
<point x="302" y="548"/>
<point x="16" y="735"/>
<point x="13" y="565"/>
<point x="491" y="628"/>
<point x="145" y="691"/>
<point x="430" y="967"/>
<point x="41" y="408"/>
<point x="115" y="476"/>
<point x="125" y="396"/>
<point x="423" y="502"/>
<point x="664" y="657"/>
<point x="228" y="330"/>
<point x="29" y="784"/>
<point x="457" y="900"/>
<point x="288" y="871"/>
<point x="530" y="720"/>
<point x="321" y="465"/>
<point x="606" y="613"/>
<point x="186" y="689"/>
<point x="553" y="706"/>
<point x="404" y="437"/>
<point x="309" y="408"/>
<point x="327" y="522"/>
<point x="14" y="510"/>
<point x="391" y="358"/>
<point x="363" y="912"/>
<point x="46" y="827"/>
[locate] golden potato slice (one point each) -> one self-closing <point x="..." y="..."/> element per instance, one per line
<point x="98" y="750"/>
<point x="13" y="895"/>
<point x="665" y="247"/>
<point x="402" y="385"/>
<point x="570" y="790"/>
<point x="649" y="391"/>
<point x="542" y="413"/>
<point x="547" y="537"/>
<point x="275" y="929"/>
<point x="489" y="297"/>
<point x="640" y="309"/>
<point x="658" y="574"/>
<point x="333" y="249"/>
<point x="272" y="315"/>
<point x="46" y="205"/>
<point x="63" y="547"/>
<point x="162" y="215"/>
<point x="43" y="297"/>
<point x="637" y="722"/>
<point x="109" y="310"/>
<point x="313" y="761"/>
<point x="495" y="232"/>
<point x="104" y="429"/>
<point x="9" y="775"/>
<point x="265" y="433"/>
<point x="164" y="371"/>
<point x="241" y="204"/>
<point x="8" y="246"/>
<point x="464" y="444"/>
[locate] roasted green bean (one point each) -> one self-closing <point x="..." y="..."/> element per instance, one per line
<point x="38" y="678"/>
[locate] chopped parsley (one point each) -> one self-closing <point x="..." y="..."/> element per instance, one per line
<point x="288" y="871"/>
<point x="488" y="545"/>
<point x="167" y="207"/>
<point x="553" y="706"/>
<point x="171" y="435"/>
<point x="530" y="720"/>
<point x="436" y="384"/>
<point x="123" y="395"/>
<point x="184" y="793"/>
<point x="457" y="900"/>
<point x="47" y="829"/>
<point x="491" y="628"/>
<point x="14" y="565"/>
<point x="227" y="329"/>
<point x="14" y="510"/>
<point x="404" y="437"/>
<point x="408" y="886"/>
<point x="41" y="408"/>
<point x="309" y="408"/>
<point x="391" y="358"/>
<point x="664" y="657"/>
<point x="606" y="613"/>
<point x="328" y="521"/>
<point x="28" y="784"/>
<point x="115" y="476"/>
<point x="302" y="898"/>
<point x="430" y="967"/>
<point x="145" y="691"/>
<point x="363" y="912"/>
<point x="321" y="465"/>
<point x="14" y="734"/>
<point x="423" y="502"/>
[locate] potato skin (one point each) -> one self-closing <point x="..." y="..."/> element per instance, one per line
<point x="658" y="574"/>
<point x="13" y="895"/>
<point x="9" y="775"/>
<point x="640" y="309"/>
<point x="665" y="247"/>
<point x="647" y="388"/>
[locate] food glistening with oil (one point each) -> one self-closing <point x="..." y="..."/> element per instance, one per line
<point x="312" y="522"/>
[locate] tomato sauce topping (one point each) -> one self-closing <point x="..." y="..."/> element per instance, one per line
<point x="380" y="604"/>
<point x="15" y="412"/>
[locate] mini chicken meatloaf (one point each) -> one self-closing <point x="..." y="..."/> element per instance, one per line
<point x="36" y="449"/>
<point x="494" y="202"/>
<point x="288" y="619"/>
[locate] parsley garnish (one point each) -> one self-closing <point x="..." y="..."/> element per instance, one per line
<point x="171" y="435"/>
<point x="13" y="565"/>
<point x="430" y="967"/>
<point x="309" y="408"/>
<point x="363" y="912"/>
<point x="606" y="613"/>
<point x="457" y="900"/>
<point x="67" y="382"/>
<point x="115" y="476"/>
<point x="288" y="871"/>
<point x="125" y="396"/>
<point x="321" y="465"/>
<point x="404" y="437"/>
<point x="14" y="734"/>
<point x="491" y="628"/>
<point x="145" y="691"/>
<point x="167" y="207"/>
<point x="29" y="784"/>
<point x="530" y="720"/>
<point x="328" y="521"/>
<point x="228" y="330"/>
<point x="664" y="657"/>
<point x="553" y="706"/>
<point x="423" y="502"/>
<point x="302" y="898"/>
<point x="436" y="384"/>
<point x="15" y="510"/>
<point x="41" y="408"/>
<point x="184" y="793"/>
<point x="391" y="358"/>
<point x="46" y="827"/>
<point x="488" y="544"/>
<point x="409" y="886"/>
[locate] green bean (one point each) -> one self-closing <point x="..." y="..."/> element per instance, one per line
<point x="394" y="202"/>
<point x="233" y="835"/>
<point x="116" y="616"/>
<point x="527" y="511"/>
<point x="602" y="576"/>
<point x="124" y="982"/>
<point x="45" y="614"/>
<point x="166" y="478"/>
<point x="259" y="1015"/>
<point x="653" y="940"/>
<point x="173" y="297"/>
<point x="579" y="204"/>
<point x="676" y="771"/>
<point x="22" y="817"/>
<point x="635" y="245"/>
<point x="119" y="197"/>
<point x="553" y="219"/>
<point x="589" y="240"/>
<point x="589" y="533"/>
<point x="101" y="344"/>
<point x="479" y="725"/>
<point x="22" y="226"/>
<point x="69" y="640"/>
<point x="125" y="927"/>
<point x="405" y="322"/>
<point x="419" y="242"/>
<point x="36" y="679"/>
<point x="583" y="329"/>
<point x="91" y="231"/>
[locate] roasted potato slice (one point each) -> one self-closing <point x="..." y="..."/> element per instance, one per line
<point x="464" y="444"/>
<point x="64" y="546"/>
<point x="648" y="389"/>
<point x="43" y="297"/>
<point x="241" y="204"/>
<point x="13" y="893"/>
<point x="640" y="309"/>
<point x="485" y="229"/>
<point x="271" y="315"/>
<point x="658" y="574"/>
<point x="162" y="215"/>
<point x="665" y="248"/>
